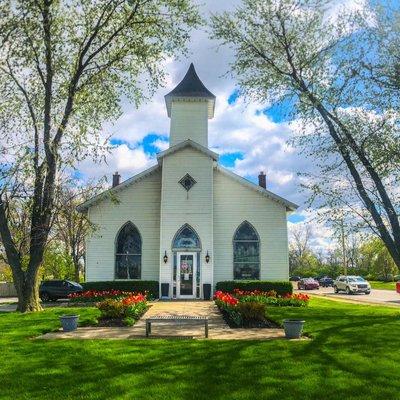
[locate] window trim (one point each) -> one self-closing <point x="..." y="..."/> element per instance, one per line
<point x="118" y="254"/>
<point x="187" y="249"/>
<point x="246" y="241"/>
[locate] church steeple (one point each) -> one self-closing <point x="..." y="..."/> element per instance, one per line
<point x="189" y="106"/>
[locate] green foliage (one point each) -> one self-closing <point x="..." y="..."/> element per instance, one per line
<point x="57" y="264"/>
<point x="251" y="311"/>
<point x="136" y="311"/>
<point x="152" y="287"/>
<point x="117" y="309"/>
<point x="5" y="272"/>
<point x="353" y="347"/>
<point x="376" y="261"/>
<point x="281" y="288"/>
<point x="111" y="308"/>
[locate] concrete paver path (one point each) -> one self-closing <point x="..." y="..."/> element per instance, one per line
<point x="218" y="329"/>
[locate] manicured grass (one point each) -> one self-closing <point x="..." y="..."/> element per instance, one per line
<point x="383" y="285"/>
<point x="354" y="354"/>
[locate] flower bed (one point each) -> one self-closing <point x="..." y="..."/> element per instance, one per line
<point x="117" y="307"/>
<point x="122" y="311"/>
<point x="248" y="308"/>
<point x="94" y="296"/>
<point x="272" y="298"/>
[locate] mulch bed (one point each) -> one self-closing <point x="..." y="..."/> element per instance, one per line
<point x="267" y="323"/>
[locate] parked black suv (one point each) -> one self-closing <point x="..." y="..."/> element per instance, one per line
<point x="53" y="290"/>
<point x="326" y="281"/>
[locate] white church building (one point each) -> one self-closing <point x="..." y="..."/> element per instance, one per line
<point x="188" y="221"/>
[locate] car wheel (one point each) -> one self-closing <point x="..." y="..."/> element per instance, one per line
<point x="335" y="289"/>
<point x="367" y="292"/>
<point x="45" y="297"/>
<point x="348" y="291"/>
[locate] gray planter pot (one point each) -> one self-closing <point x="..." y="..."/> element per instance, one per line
<point x="69" y="322"/>
<point x="293" y="328"/>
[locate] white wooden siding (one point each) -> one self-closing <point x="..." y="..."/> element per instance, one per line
<point x="139" y="203"/>
<point x="179" y="207"/>
<point x="189" y="120"/>
<point x="233" y="204"/>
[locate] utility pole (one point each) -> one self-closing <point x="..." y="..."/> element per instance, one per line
<point x="343" y="245"/>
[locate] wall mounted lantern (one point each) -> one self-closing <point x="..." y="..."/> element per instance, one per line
<point x="165" y="257"/>
<point x="207" y="257"/>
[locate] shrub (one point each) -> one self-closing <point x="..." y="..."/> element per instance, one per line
<point x="93" y="296"/>
<point x="251" y="311"/>
<point x="281" y="288"/>
<point x="131" y="307"/>
<point x="151" y="287"/>
<point x="272" y="298"/>
<point x="111" y="308"/>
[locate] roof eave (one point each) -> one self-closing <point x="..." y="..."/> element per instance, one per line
<point x="184" y="144"/>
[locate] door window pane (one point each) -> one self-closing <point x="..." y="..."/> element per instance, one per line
<point x="186" y="275"/>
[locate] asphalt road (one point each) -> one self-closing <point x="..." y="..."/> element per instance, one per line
<point x="378" y="296"/>
<point x="8" y="304"/>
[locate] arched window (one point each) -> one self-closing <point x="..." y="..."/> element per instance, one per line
<point x="246" y="253"/>
<point x="128" y="253"/>
<point x="186" y="238"/>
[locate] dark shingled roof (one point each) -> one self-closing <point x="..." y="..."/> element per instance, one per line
<point x="191" y="87"/>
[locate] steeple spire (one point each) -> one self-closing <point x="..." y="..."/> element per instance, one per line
<point x="191" y="88"/>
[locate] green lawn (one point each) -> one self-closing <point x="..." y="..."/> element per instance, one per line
<point x="383" y="285"/>
<point x="354" y="354"/>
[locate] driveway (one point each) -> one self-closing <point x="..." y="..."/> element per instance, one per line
<point x="9" y="304"/>
<point x="377" y="296"/>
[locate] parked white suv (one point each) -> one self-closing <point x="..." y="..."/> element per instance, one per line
<point x="351" y="284"/>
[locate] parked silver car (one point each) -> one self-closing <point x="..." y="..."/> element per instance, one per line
<point x="351" y="284"/>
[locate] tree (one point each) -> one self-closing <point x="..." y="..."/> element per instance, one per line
<point x="64" y="66"/>
<point x="299" y="247"/>
<point x="57" y="263"/>
<point x="71" y="226"/>
<point x="376" y="260"/>
<point x="299" y="52"/>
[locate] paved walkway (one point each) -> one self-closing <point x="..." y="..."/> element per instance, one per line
<point x="218" y="329"/>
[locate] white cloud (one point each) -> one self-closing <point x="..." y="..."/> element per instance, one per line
<point x="161" y="144"/>
<point x="321" y="236"/>
<point x="123" y="159"/>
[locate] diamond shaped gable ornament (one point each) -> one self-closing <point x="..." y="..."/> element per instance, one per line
<point x="187" y="182"/>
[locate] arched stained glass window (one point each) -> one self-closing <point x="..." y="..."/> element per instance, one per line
<point x="186" y="238"/>
<point x="246" y="253"/>
<point x="128" y="253"/>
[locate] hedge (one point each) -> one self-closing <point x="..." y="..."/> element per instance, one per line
<point x="281" y="287"/>
<point x="134" y="286"/>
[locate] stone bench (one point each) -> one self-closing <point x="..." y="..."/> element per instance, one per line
<point x="177" y="319"/>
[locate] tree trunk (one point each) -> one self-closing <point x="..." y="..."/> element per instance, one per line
<point x="76" y="271"/>
<point x="29" y="300"/>
<point x="27" y="287"/>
